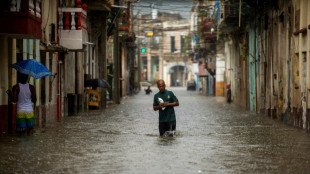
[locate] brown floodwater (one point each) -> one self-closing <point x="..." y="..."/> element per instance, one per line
<point x="212" y="137"/>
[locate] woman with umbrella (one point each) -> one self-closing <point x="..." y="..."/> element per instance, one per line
<point x="24" y="95"/>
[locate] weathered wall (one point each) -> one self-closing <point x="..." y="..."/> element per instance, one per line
<point x="4" y="84"/>
<point x="4" y="67"/>
<point x="220" y="70"/>
<point x="239" y="69"/>
<point x="70" y="73"/>
<point x="80" y="72"/>
<point x="282" y="71"/>
<point x="301" y="64"/>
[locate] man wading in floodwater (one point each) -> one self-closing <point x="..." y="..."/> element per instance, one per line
<point x="164" y="101"/>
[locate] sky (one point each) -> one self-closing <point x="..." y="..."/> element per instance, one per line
<point x="175" y="6"/>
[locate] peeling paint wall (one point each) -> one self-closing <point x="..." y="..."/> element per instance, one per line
<point x="280" y="77"/>
<point x="252" y="68"/>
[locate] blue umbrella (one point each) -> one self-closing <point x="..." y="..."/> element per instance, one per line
<point x="32" y="68"/>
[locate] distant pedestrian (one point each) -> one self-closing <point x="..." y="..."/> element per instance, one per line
<point x="24" y="95"/>
<point x="228" y="93"/>
<point x="131" y="86"/>
<point x="164" y="101"/>
<point x="148" y="90"/>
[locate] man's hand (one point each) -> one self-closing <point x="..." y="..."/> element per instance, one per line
<point x="163" y="105"/>
<point x="160" y="106"/>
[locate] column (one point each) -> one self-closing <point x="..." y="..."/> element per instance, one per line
<point x="116" y="72"/>
<point x="308" y="71"/>
<point x="25" y="46"/>
<point x="149" y="61"/>
<point x="103" y="57"/>
<point x="161" y="59"/>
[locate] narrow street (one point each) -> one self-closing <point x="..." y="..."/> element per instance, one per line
<point x="212" y="137"/>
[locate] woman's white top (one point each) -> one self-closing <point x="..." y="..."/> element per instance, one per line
<point x="24" y="98"/>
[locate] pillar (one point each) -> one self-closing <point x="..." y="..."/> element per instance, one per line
<point x="103" y="57"/>
<point x="116" y="71"/>
<point x="149" y="61"/>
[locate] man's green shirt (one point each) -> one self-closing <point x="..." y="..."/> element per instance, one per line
<point x="168" y="113"/>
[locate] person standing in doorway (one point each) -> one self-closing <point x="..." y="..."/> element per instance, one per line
<point x="24" y="95"/>
<point x="228" y="93"/>
<point x="165" y="101"/>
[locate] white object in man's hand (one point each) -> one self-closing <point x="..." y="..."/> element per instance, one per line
<point x="160" y="100"/>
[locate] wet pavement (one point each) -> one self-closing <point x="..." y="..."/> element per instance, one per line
<point x="212" y="137"/>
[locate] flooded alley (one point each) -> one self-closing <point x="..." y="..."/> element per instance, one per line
<point x="212" y="137"/>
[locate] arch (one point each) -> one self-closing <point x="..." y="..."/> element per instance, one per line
<point x="176" y="75"/>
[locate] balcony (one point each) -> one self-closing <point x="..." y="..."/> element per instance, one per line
<point x="210" y="66"/>
<point x="203" y="71"/>
<point x="210" y="36"/>
<point x="21" y="18"/>
<point x="72" y="27"/>
<point x="124" y="23"/>
<point x="173" y="57"/>
<point x="230" y="20"/>
<point x="208" y="31"/>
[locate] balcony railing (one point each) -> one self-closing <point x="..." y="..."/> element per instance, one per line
<point x="210" y="36"/>
<point x="72" y="27"/>
<point x="72" y="19"/>
<point x="21" y="18"/>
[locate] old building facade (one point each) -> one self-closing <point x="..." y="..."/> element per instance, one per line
<point x="267" y="57"/>
<point x="76" y="41"/>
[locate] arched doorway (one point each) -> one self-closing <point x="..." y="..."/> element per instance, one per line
<point x="176" y="75"/>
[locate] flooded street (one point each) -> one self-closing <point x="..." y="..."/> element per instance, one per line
<point x="212" y="137"/>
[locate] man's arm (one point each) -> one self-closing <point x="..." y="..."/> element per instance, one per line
<point x="169" y="104"/>
<point x="174" y="103"/>
<point x="33" y="94"/>
<point x="161" y="105"/>
<point x="15" y="91"/>
<point x="157" y="107"/>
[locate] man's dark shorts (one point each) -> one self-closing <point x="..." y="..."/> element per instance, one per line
<point x="166" y="126"/>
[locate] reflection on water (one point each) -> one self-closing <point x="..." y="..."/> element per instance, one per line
<point x="211" y="137"/>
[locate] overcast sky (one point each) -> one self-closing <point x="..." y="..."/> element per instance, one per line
<point x="175" y="6"/>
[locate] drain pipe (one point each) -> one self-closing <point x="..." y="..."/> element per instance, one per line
<point x="58" y="87"/>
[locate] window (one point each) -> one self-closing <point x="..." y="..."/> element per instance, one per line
<point x="155" y="42"/>
<point x="172" y="44"/>
<point x="144" y="41"/>
<point x="182" y="44"/>
<point x="144" y="62"/>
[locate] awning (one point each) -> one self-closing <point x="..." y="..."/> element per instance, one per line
<point x="53" y="48"/>
<point x="98" y="5"/>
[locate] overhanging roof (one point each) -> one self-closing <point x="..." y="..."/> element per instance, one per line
<point x="53" y="48"/>
<point x="99" y="5"/>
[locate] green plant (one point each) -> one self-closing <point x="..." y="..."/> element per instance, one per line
<point x="203" y="14"/>
<point x="197" y="46"/>
<point x="244" y="49"/>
